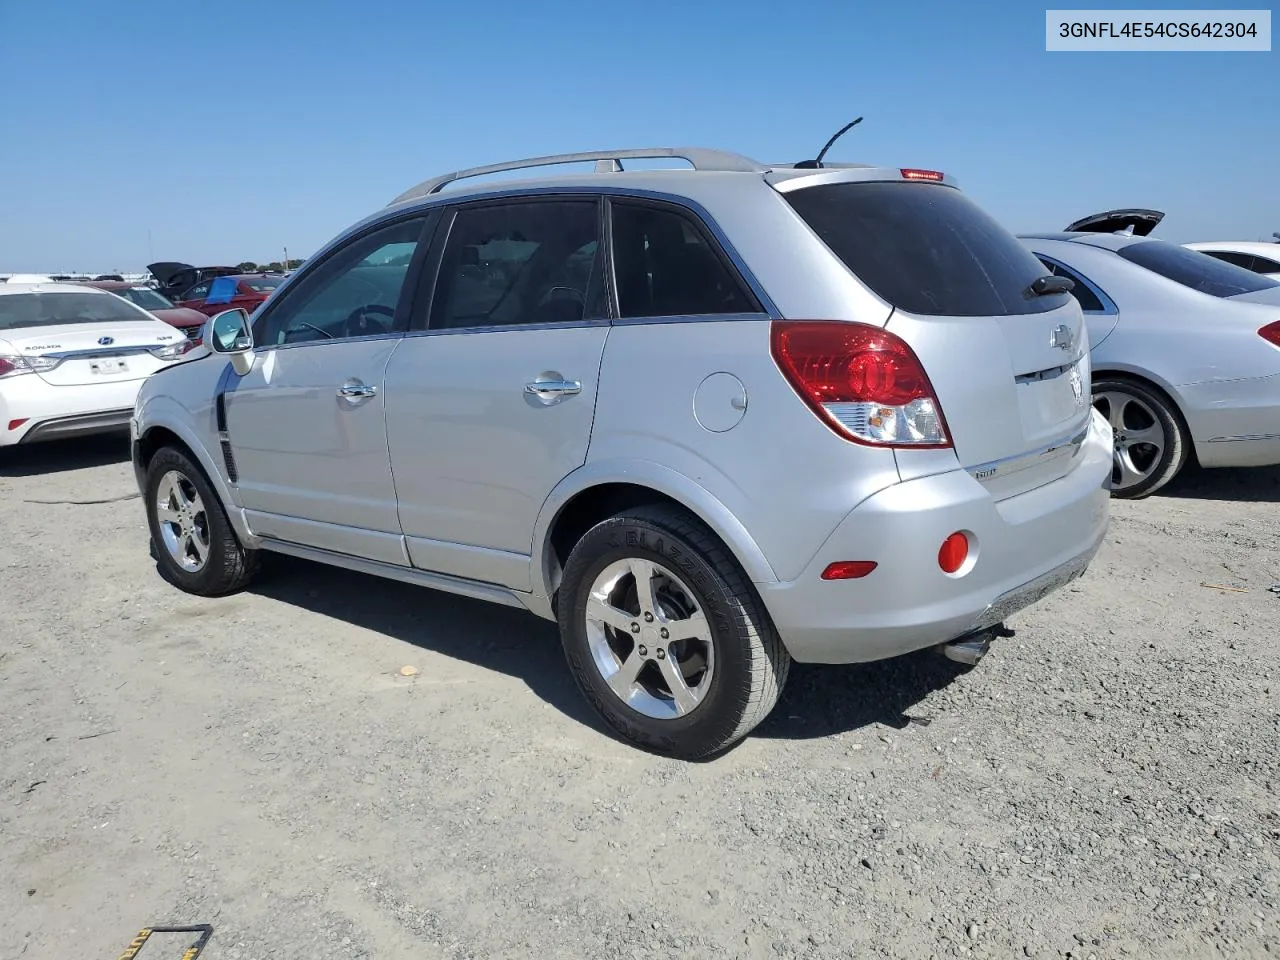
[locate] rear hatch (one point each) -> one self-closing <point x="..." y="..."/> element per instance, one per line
<point x="1010" y="368"/>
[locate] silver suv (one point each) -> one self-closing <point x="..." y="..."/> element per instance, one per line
<point x="710" y="420"/>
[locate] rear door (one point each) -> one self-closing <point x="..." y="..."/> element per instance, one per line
<point x="1010" y="368"/>
<point x="490" y="402"/>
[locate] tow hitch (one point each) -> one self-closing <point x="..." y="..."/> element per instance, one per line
<point x="972" y="647"/>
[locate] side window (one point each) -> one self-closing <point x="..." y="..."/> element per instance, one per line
<point x="520" y="263"/>
<point x="354" y="292"/>
<point x="1088" y="300"/>
<point x="1263" y="265"/>
<point x="665" y="266"/>
<point x="198" y="292"/>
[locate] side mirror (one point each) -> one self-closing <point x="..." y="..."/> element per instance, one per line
<point x="230" y="333"/>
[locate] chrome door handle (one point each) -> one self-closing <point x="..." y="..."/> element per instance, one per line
<point x="550" y="389"/>
<point x="356" y="391"/>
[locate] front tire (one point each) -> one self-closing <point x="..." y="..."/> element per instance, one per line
<point x="192" y="541"/>
<point x="1150" y="443"/>
<point x="666" y="637"/>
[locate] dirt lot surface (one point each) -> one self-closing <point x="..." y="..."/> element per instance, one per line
<point x="1104" y="784"/>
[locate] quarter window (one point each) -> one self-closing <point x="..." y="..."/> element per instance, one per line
<point x="531" y="262"/>
<point x="665" y="266"/>
<point x="355" y="292"/>
<point x="198" y="292"/>
<point x="1263" y="265"/>
<point x="1088" y="300"/>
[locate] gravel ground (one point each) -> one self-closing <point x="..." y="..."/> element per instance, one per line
<point x="1104" y="784"/>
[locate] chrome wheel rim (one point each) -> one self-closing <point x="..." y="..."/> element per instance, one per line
<point x="650" y="639"/>
<point x="183" y="522"/>
<point x="1138" y="438"/>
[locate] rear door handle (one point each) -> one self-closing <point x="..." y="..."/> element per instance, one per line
<point x="550" y="389"/>
<point x="355" y="390"/>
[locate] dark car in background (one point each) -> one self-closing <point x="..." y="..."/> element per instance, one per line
<point x="190" y="322"/>
<point x="174" y="279"/>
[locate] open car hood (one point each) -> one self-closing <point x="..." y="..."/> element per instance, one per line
<point x="166" y="272"/>
<point x="1141" y="221"/>
<point x="172" y="275"/>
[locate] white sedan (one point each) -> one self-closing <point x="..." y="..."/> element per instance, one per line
<point x="1255" y="255"/>
<point x="72" y="359"/>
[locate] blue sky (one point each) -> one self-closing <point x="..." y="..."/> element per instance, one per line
<point x="230" y="135"/>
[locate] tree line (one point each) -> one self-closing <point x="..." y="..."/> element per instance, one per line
<point x="275" y="266"/>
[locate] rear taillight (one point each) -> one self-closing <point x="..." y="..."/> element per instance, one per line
<point x="1271" y="333"/>
<point x="910" y="173"/>
<point x="17" y="365"/>
<point x="866" y="383"/>
<point x="175" y="350"/>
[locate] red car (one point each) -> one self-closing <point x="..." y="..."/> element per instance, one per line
<point x="226" y="293"/>
<point x="190" y="322"/>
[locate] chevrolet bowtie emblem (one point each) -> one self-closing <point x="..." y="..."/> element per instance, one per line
<point x="1062" y="337"/>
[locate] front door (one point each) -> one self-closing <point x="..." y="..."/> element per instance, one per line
<point x="307" y="424"/>
<point x="491" y="405"/>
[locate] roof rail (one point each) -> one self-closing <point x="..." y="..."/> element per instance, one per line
<point x="607" y="161"/>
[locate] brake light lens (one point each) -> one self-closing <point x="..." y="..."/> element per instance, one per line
<point x="864" y="382"/>
<point x="1271" y="333"/>
<point x="910" y="173"/>
<point x="14" y="366"/>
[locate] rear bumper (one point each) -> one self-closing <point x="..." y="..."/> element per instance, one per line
<point x="83" y="424"/>
<point x="1024" y="548"/>
<point x="44" y="411"/>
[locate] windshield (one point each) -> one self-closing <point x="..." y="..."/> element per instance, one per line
<point x="145" y="297"/>
<point x="1196" y="270"/>
<point x="924" y="248"/>
<point x="39" y="309"/>
<point x="262" y="284"/>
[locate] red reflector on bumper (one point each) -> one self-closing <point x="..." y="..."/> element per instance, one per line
<point x="954" y="552"/>
<point x="15" y="424"/>
<point x="848" y="570"/>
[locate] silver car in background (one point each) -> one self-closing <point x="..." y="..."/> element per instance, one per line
<point x="710" y="420"/>
<point x="1185" y="348"/>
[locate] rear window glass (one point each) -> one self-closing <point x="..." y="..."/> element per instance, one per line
<point x="53" y="308"/>
<point x="925" y="248"/>
<point x="1193" y="269"/>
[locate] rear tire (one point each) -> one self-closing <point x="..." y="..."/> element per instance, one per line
<point x="192" y="541"/>
<point x="690" y="667"/>
<point x="1151" y="445"/>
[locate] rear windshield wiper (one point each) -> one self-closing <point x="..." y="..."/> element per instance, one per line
<point x="1043" y="286"/>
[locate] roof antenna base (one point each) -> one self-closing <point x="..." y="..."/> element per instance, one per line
<point x="816" y="162"/>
